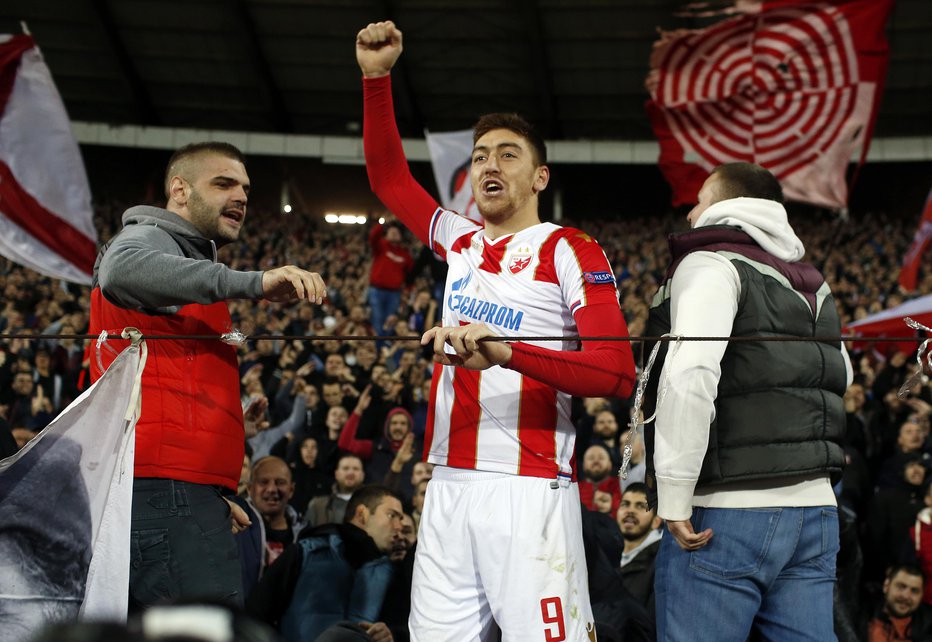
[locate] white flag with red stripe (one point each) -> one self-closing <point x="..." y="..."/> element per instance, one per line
<point x="46" y="220"/>
<point x="450" y="158"/>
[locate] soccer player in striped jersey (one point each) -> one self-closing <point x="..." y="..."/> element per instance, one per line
<point x="500" y="539"/>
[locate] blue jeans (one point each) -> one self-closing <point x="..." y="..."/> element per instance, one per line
<point x="383" y="304"/>
<point x="772" y="569"/>
<point x="181" y="546"/>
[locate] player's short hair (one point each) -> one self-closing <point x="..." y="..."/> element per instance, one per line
<point x="749" y="180"/>
<point x="371" y="496"/>
<point x="176" y="164"/>
<point x="517" y="124"/>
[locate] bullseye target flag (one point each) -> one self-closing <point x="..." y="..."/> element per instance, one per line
<point x="792" y="85"/>
<point x="450" y="158"/>
<point x="46" y="220"/>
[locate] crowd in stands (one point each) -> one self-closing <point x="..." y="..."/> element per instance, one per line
<point x="345" y="413"/>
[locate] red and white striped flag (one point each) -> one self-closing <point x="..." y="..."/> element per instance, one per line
<point x="792" y="85"/>
<point x="46" y="220"/>
<point x="450" y="158"/>
<point x="909" y="272"/>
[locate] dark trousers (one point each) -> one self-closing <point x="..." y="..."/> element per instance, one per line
<point x="181" y="546"/>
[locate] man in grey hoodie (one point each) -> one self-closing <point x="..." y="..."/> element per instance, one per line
<point x="160" y="274"/>
<point x="748" y="433"/>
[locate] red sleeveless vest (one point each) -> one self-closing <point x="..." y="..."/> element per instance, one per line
<point x="191" y="426"/>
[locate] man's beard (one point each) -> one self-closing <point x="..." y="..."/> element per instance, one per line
<point x="207" y="221"/>
<point x="635" y="535"/>
<point x="597" y="478"/>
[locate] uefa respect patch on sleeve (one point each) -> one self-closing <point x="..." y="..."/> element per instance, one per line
<point x="598" y="277"/>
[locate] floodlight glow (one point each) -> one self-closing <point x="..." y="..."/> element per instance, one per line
<point x="287" y="209"/>
<point x="345" y="219"/>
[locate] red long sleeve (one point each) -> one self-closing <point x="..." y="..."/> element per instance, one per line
<point x="601" y="369"/>
<point x="389" y="175"/>
<point x="375" y="237"/>
<point x="348" y="442"/>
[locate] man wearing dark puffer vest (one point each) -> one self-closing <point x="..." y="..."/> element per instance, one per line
<point x="748" y="433"/>
<point x="160" y="274"/>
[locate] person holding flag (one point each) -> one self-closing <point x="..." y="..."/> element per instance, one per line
<point x="160" y="275"/>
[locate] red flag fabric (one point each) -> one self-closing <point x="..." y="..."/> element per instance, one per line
<point x="46" y="220"/>
<point x="793" y="85"/>
<point x="909" y="272"/>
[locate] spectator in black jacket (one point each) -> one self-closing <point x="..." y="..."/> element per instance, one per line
<point x="618" y="615"/>
<point x="640" y="526"/>
<point x="891" y="513"/>
<point x="310" y="480"/>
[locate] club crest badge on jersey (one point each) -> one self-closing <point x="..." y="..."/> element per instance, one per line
<point x="518" y="262"/>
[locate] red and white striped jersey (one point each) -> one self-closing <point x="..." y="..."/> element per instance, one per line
<point x="528" y="284"/>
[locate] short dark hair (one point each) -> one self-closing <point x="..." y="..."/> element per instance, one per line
<point x="370" y="496"/>
<point x="347" y="455"/>
<point x="635" y="487"/>
<point x="909" y="569"/>
<point x="196" y="149"/>
<point x="517" y="124"/>
<point x="598" y="445"/>
<point x="749" y="180"/>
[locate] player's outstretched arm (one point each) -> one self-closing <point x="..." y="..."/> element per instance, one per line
<point x="377" y="49"/>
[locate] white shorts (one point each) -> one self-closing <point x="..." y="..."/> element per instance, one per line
<point x="500" y="547"/>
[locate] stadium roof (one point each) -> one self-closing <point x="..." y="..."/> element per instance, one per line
<point x="575" y="67"/>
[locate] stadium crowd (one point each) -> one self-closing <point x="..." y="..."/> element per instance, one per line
<point x="343" y="413"/>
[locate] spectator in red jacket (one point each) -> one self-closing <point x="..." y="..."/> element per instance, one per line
<point x="395" y="452"/>
<point x="598" y="474"/>
<point x="391" y="264"/>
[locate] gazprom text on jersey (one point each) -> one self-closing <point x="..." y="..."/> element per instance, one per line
<point x="486" y="311"/>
